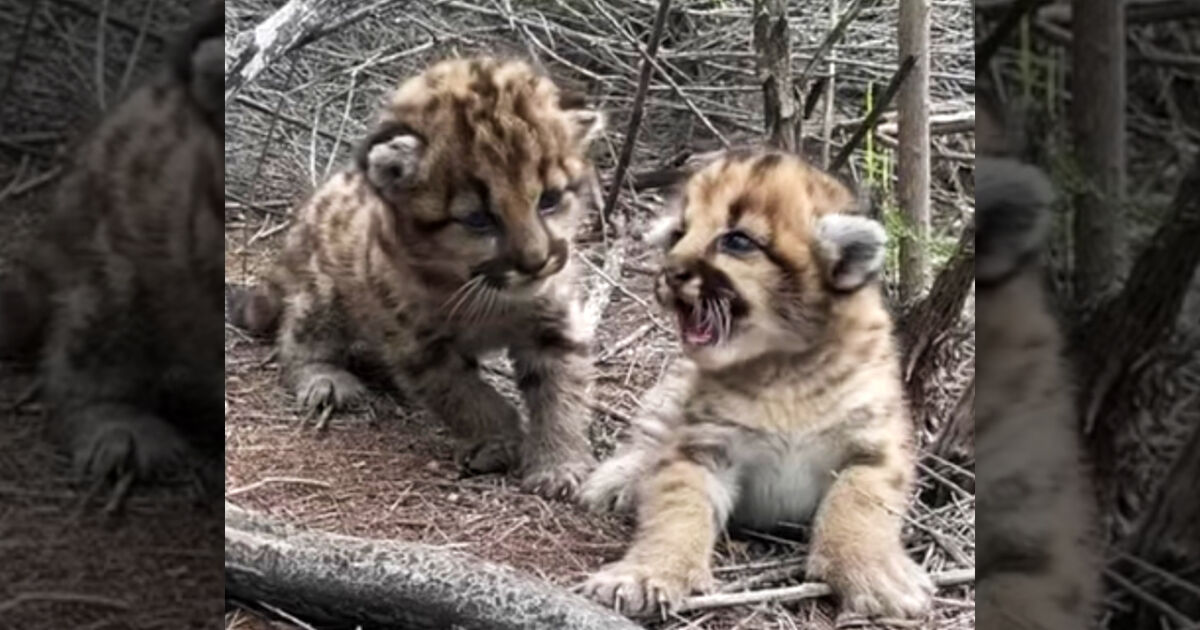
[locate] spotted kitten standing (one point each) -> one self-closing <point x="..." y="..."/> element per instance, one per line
<point x="450" y="237"/>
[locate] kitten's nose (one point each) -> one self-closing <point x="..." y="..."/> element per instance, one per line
<point x="532" y="265"/>
<point x="678" y="275"/>
<point x="554" y="264"/>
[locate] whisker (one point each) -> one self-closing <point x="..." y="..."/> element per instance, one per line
<point x="715" y="308"/>
<point x="497" y="301"/>
<point x="727" y="309"/>
<point x="502" y="303"/>
<point x="479" y="300"/>
<point x="719" y="317"/>
<point x="458" y="292"/>
<point x="485" y="298"/>
<point x="461" y="294"/>
<point x="495" y="297"/>
<point x="476" y="297"/>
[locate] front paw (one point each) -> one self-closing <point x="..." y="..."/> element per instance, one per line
<point x="557" y="478"/>
<point x="113" y="443"/>
<point x="890" y="585"/>
<point x="323" y="391"/>
<point x="489" y="456"/>
<point x="638" y="589"/>
<point x="612" y="488"/>
<point x="112" y="447"/>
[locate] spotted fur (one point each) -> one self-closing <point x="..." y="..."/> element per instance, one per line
<point x="447" y="238"/>
<point x="122" y="297"/>
<point x="787" y="403"/>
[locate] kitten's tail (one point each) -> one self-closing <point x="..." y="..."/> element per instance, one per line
<point x="254" y="309"/>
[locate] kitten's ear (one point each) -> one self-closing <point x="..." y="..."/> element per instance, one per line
<point x="663" y="231"/>
<point x="850" y="250"/>
<point x="390" y="157"/>
<point x="585" y="125"/>
<point x="1012" y="216"/>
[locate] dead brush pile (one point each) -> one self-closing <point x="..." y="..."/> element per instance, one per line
<point x="387" y="473"/>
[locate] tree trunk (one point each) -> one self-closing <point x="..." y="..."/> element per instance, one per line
<point x="913" y="163"/>
<point x="348" y="582"/>
<point x="931" y="317"/>
<point x="1135" y="323"/>
<point x="956" y="438"/>
<point x="1097" y="112"/>
<point x="774" y="54"/>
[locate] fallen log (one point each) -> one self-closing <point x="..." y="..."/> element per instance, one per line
<point x="331" y="580"/>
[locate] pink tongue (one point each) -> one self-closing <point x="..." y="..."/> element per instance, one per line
<point x="697" y="334"/>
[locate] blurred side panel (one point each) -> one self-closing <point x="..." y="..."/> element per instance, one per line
<point x="110" y="314"/>
<point x="1088" y="311"/>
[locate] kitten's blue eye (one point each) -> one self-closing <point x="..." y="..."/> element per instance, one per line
<point x="548" y="202"/>
<point x="737" y="243"/>
<point x="479" y="221"/>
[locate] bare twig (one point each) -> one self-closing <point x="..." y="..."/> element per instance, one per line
<point x="31" y="597"/>
<point x="827" y="44"/>
<point x="101" y="84"/>
<point x="269" y="480"/>
<point x="1150" y="599"/>
<point x="803" y="591"/>
<point x="988" y="47"/>
<point x="885" y="99"/>
<point x="629" y="340"/>
<point x="143" y="29"/>
<point x="15" y="65"/>
<point x="639" y="101"/>
<point x="16" y="188"/>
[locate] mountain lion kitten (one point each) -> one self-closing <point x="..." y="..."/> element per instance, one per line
<point x="448" y="238"/>
<point x="787" y="403"/>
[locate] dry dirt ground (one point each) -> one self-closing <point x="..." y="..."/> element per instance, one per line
<point x="64" y="563"/>
<point x="389" y="472"/>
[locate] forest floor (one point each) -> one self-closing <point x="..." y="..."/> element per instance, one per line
<point x="390" y="473"/>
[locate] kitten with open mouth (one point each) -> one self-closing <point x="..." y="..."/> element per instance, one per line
<point x="786" y="404"/>
<point x="704" y="323"/>
<point x="706" y="305"/>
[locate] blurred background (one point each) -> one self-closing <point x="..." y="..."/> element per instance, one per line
<point x="1103" y="97"/>
<point x="64" y="563"/>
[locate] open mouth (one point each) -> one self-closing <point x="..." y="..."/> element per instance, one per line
<point x="707" y="322"/>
